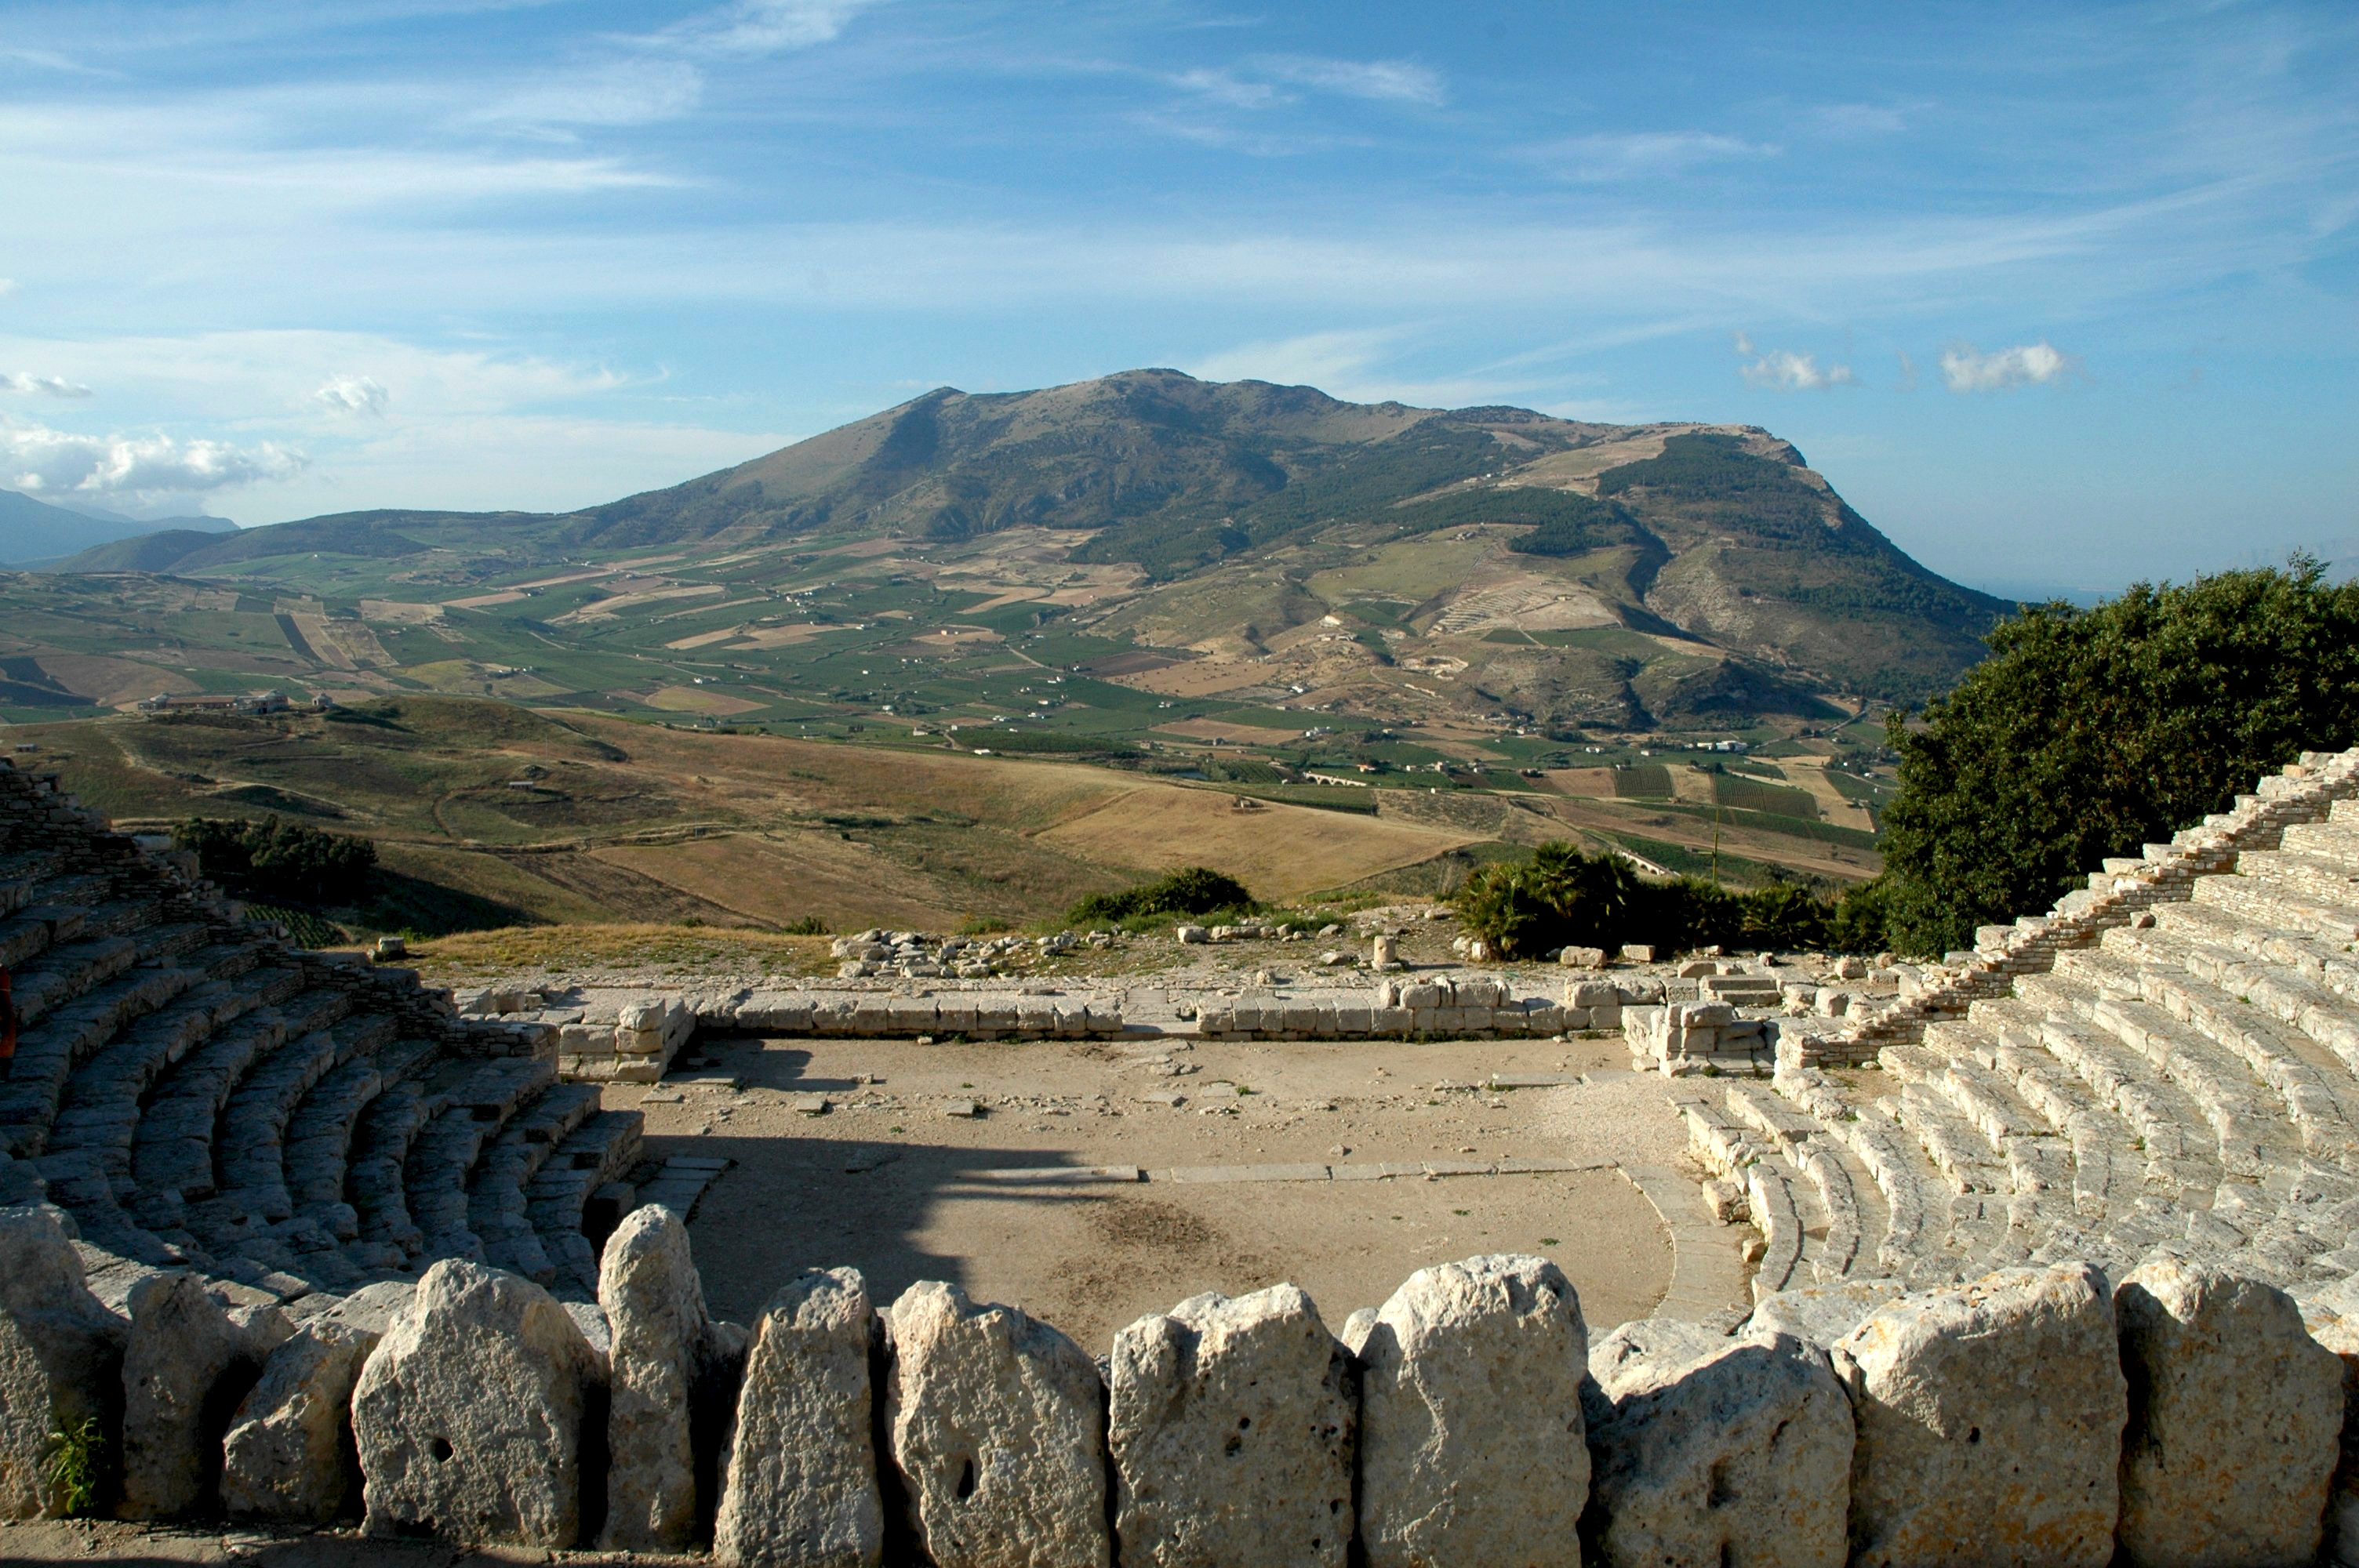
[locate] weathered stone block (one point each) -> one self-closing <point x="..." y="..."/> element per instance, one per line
<point x="2236" y="1419"/>
<point x="468" y="1417"/>
<point x="60" y="1360"/>
<point x="997" y="1430"/>
<point x="1472" y="1450"/>
<point x="1989" y="1421"/>
<point x="289" y="1457"/>
<point x="187" y="1363"/>
<point x="799" y="1485"/>
<point x="1714" y="1450"/>
<point x="654" y="1303"/>
<point x="1232" y="1433"/>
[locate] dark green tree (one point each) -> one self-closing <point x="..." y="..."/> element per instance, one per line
<point x="2090" y="733"/>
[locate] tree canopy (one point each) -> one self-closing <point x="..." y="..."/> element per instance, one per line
<point x="2091" y="732"/>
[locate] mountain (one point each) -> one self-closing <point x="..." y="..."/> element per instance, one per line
<point x="1567" y="571"/>
<point x="35" y="530"/>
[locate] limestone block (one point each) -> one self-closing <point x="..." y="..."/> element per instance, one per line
<point x="799" y="1484"/>
<point x="1638" y="952"/>
<point x="187" y="1364"/>
<point x="60" y="1357"/>
<point x="468" y="1417"/>
<point x="1822" y="1314"/>
<point x="1592" y="994"/>
<point x="289" y="1458"/>
<point x="1472" y="1449"/>
<point x="2341" y="1336"/>
<point x="1421" y="997"/>
<point x="1989" y="1421"/>
<point x="1582" y="957"/>
<point x="2235" y="1420"/>
<point x="1387" y="994"/>
<point x="1232" y="1433"/>
<point x="997" y="1429"/>
<point x="654" y="1302"/>
<point x="1715" y="1450"/>
<point x="1390" y="1021"/>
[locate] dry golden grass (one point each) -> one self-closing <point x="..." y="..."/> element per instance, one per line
<point x="619" y="946"/>
<point x="1279" y="851"/>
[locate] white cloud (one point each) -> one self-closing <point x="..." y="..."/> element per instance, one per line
<point x="762" y="26"/>
<point x="353" y="394"/>
<point x="7" y="286"/>
<point x="50" y="386"/>
<point x="1964" y="369"/>
<point x="1390" y="80"/>
<point x="1603" y="158"/>
<point x="41" y="461"/>
<point x="1783" y="370"/>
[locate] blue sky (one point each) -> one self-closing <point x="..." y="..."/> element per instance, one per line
<point x="2056" y="294"/>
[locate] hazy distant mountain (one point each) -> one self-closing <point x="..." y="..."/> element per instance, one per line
<point x="37" y="531"/>
<point x="1716" y="537"/>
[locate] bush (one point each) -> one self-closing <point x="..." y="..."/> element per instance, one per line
<point x="2089" y="733"/>
<point x="279" y="860"/>
<point x="1195" y="890"/>
<point x="1564" y="896"/>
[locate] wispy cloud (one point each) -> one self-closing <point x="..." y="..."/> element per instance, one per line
<point x="1601" y="160"/>
<point x="1964" y="369"/>
<point x="762" y="26"/>
<point x="353" y="394"/>
<point x="1860" y="119"/>
<point x="49" y="385"/>
<point x="1783" y="370"/>
<point x="637" y="92"/>
<point x="1387" y="81"/>
<point x="42" y="462"/>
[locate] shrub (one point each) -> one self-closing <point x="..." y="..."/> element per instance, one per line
<point x="73" y="1466"/>
<point x="1194" y="890"/>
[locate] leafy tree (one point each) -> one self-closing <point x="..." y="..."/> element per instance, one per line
<point x="2089" y="733"/>
<point x="279" y="860"/>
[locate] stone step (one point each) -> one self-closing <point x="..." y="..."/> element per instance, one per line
<point x="1838" y="1179"/>
<point x="22" y="873"/>
<point x="2322" y="963"/>
<point x="1959" y="1152"/>
<point x="495" y="1190"/>
<point x="602" y="1149"/>
<point x="2177" y="1143"/>
<point x="2249" y="1119"/>
<point x="2276" y="904"/>
<point x="446" y="1149"/>
<point x="103" y="1100"/>
<point x="1769" y="1190"/>
<point x="2329" y="880"/>
<point x="2240" y="1004"/>
<point x="49" y="1053"/>
<point x="319" y="1134"/>
<point x="2327" y="840"/>
<point x="249" y="1146"/>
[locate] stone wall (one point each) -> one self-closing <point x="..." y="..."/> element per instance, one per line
<point x="2042" y="1414"/>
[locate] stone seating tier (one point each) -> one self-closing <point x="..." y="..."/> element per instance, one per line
<point x="197" y="1094"/>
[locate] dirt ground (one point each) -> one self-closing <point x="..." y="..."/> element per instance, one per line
<point x="890" y="1180"/>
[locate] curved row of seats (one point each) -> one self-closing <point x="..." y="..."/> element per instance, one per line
<point x="196" y="1093"/>
<point x="2189" y="1084"/>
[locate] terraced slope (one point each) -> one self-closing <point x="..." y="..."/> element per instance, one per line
<point x="2183" y="1079"/>
<point x="198" y="1094"/>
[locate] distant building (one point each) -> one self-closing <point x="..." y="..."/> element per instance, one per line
<point x="223" y="702"/>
